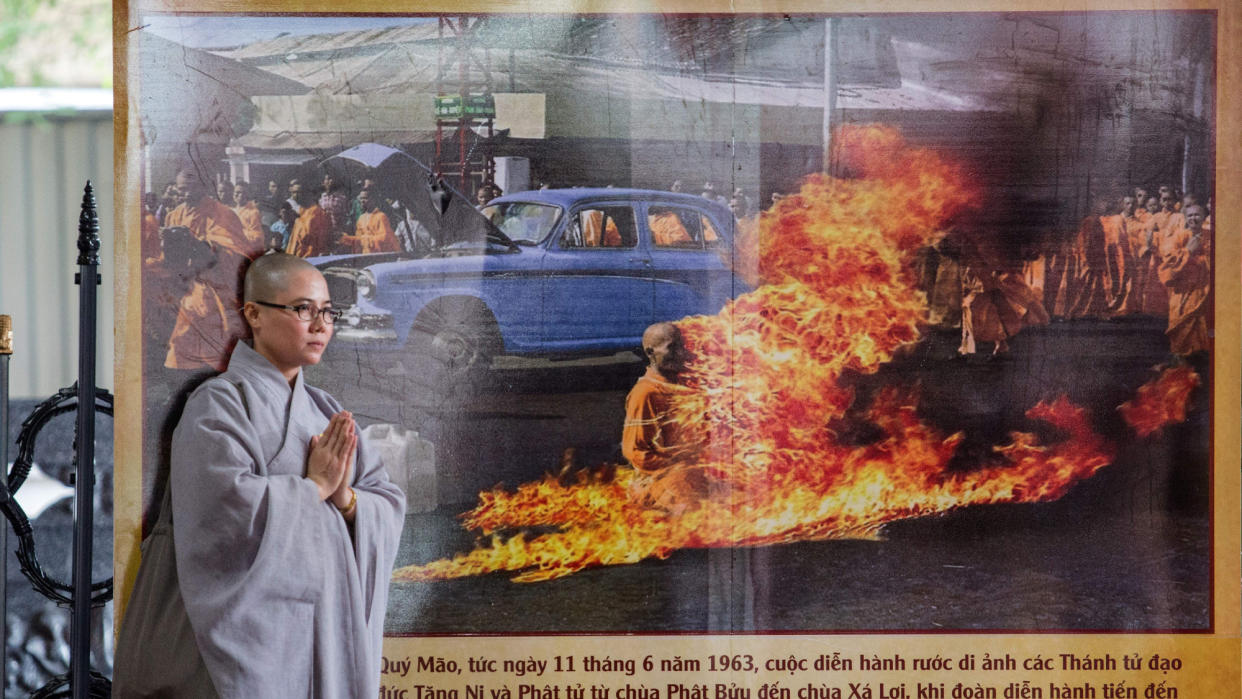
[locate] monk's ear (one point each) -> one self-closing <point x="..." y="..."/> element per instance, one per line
<point x="250" y="311"/>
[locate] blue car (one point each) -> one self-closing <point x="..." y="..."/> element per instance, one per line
<point x="554" y="273"/>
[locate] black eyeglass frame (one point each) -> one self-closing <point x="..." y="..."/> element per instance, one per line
<point x="326" y="314"/>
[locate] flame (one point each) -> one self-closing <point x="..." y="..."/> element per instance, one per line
<point x="1161" y="401"/>
<point x="838" y="295"/>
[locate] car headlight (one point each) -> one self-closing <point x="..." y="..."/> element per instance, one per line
<point x="365" y="284"/>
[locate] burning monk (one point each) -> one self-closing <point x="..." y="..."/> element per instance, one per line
<point x="655" y="445"/>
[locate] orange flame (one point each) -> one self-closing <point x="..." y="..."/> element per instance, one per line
<point x="1161" y="401"/>
<point x="838" y="295"/>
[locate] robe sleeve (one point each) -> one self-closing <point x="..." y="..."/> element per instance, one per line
<point x="377" y="533"/>
<point x="249" y="547"/>
<point x="377" y="523"/>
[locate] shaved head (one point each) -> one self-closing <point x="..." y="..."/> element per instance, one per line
<point x="269" y="274"/>
<point x="190" y="184"/>
<point x="664" y="349"/>
<point x="1195" y="215"/>
<point x="659" y="332"/>
<point x="286" y="298"/>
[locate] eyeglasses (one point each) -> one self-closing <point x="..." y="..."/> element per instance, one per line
<point x="306" y="312"/>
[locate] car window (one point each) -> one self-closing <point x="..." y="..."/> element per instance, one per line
<point x="523" y="222"/>
<point x="601" y="227"/>
<point x="710" y="238"/>
<point x="675" y="227"/>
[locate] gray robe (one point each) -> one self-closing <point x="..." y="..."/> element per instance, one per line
<point x="283" y="602"/>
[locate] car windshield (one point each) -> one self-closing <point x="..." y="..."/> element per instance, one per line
<point x="523" y="222"/>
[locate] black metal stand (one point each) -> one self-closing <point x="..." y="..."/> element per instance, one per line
<point x="88" y="401"/>
<point x="84" y="486"/>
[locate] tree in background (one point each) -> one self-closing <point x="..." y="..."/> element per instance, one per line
<point x="55" y="43"/>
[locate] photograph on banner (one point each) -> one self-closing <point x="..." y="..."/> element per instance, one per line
<point x="723" y="323"/>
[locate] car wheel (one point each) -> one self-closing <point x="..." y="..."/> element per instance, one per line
<point x="452" y="344"/>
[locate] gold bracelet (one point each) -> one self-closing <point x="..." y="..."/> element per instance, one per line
<point x="353" y="502"/>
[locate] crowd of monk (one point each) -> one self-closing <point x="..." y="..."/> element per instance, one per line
<point x="1133" y="255"/>
<point x="196" y="240"/>
<point x="299" y="219"/>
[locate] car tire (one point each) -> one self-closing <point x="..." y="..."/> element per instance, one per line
<point x="451" y="346"/>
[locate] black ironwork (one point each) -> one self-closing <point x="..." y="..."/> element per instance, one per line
<point x="100" y="688"/>
<point x="66" y="400"/>
<point x="88" y="242"/>
<point x="87" y="401"/>
<point x="84" y="485"/>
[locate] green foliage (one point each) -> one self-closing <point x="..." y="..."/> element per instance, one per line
<point x="46" y="43"/>
<point x="18" y="22"/>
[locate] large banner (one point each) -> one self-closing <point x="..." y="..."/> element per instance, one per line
<point x="734" y="351"/>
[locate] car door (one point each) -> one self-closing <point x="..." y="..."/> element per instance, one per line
<point x="689" y="261"/>
<point x="597" y="281"/>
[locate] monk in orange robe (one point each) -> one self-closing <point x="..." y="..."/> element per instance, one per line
<point x="1090" y="296"/>
<point x="215" y="224"/>
<point x="312" y="232"/>
<point x="373" y="232"/>
<point x="247" y="210"/>
<point x="208" y="323"/>
<point x="1186" y="270"/>
<point x="1062" y="274"/>
<point x="207" y="218"/>
<point x="1151" y="298"/>
<point x="1115" y="245"/>
<point x="1133" y="222"/>
<point x="1177" y="219"/>
<point x="596" y="233"/>
<point x="667" y="230"/>
<point x="657" y="448"/>
<point x="997" y="301"/>
<point x="1163" y="212"/>
<point x="996" y="306"/>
